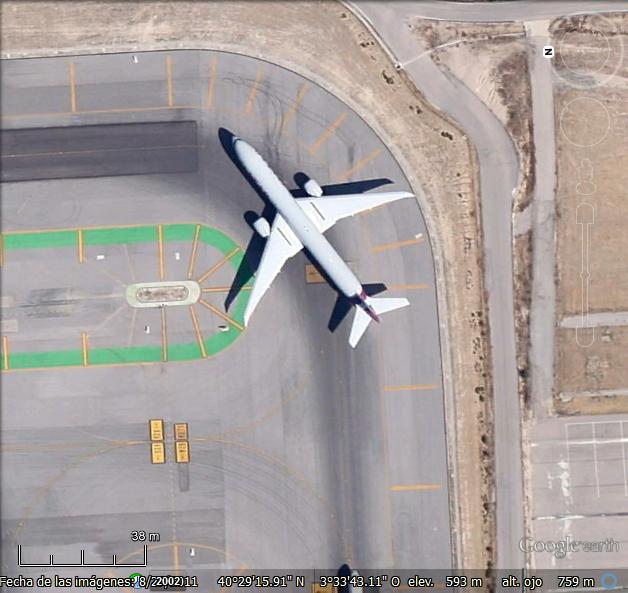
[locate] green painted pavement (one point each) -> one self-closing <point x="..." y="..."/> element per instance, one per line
<point x="134" y="354"/>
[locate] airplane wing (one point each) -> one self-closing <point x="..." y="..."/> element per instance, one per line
<point x="281" y="245"/>
<point x="324" y="212"/>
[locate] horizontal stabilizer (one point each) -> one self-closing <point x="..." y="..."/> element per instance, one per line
<point x="360" y="323"/>
<point x="362" y="318"/>
<point x="384" y="305"/>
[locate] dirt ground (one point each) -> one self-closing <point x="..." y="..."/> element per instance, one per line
<point x="491" y="59"/>
<point x="591" y="113"/>
<point x="323" y="41"/>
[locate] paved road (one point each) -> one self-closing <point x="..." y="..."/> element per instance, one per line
<point x="499" y="171"/>
<point x="331" y="454"/>
<point x="543" y="298"/>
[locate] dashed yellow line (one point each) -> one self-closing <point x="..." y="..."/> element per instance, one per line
<point x="5" y="353"/>
<point x="221" y="314"/>
<point x="427" y="387"/>
<point x="212" y="81"/>
<point x="197" y="331"/>
<point x="224" y="288"/>
<point x="169" y="81"/>
<point x="293" y="108"/>
<point x="359" y="165"/>
<point x="72" y="76"/>
<point x="415" y="487"/>
<point x="85" y="348"/>
<point x="197" y="232"/>
<point x="327" y="134"/>
<point x="81" y="246"/>
<point x="396" y="245"/>
<point x="250" y="103"/>
<point x="219" y="265"/>
<point x="160" y="244"/>
<point x="164" y="336"/>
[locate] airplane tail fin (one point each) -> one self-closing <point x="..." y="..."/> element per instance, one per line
<point x="362" y="318"/>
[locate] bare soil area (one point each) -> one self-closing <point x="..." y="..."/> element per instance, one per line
<point x="591" y="103"/>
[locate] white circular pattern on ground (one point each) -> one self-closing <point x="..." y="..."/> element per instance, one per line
<point x="593" y="113"/>
<point x="587" y="65"/>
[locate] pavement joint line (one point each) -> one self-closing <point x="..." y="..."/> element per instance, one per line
<point x="169" y="81"/>
<point x="81" y="246"/>
<point x="292" y="109"/>
<point x="328" y="133"/>
<point x="85" y="348"/>
<point x="72" y="77"/>
<point x="164" y="336"/>
<point x="250" y="102"/>
<point x="160" y="240"/>
<point x="217" y="266"/>
<point x="5" y="353"/>
<point x="197" y="232"/>
<point x="221" y="314"/>
<point x="359" y="165"/>
<point x="211" y="82"/>
<point x="395" y="388"/>
<point x="396" y="245"/>
<point x="197" y="331"/>
<point x="415" y="487"/>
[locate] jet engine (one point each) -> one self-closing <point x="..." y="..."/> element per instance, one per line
<point x="313" y="189"/>
<point x="262" y="227"/>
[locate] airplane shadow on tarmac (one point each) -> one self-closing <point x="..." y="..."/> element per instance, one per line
<point x="255" y="248"/>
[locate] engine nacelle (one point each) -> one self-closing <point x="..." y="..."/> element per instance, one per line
<point x="313" y="189"/>
<point x="262" y="227"/>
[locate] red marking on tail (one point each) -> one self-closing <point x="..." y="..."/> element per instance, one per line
<point x="363" y="296"/>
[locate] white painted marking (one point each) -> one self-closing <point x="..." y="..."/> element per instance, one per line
<point x="100" y="257"/>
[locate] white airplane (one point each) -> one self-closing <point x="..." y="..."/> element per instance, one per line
<point x="301" y="222"/>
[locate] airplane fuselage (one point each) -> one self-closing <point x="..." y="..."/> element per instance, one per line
<point x="305" y="230"/>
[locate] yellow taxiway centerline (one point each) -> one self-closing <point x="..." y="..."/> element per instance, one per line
<point x="219" y="265"/>
<point x="221" y="314"/>
<point x="415" y="487"/>
<point x="327" y="134"/>
<point x="72" y="76"/>
<point x="224" y="288"/>
<point x="250" y="102"/>
<point x="359" y="165"/>
<point x="160" y="242"/>
<point x="175" y="553"/>
<point x="81" y="246"/>
<point x="293" y="108"/>
<point x="169" y="81"/>
<point x="85" y="348"/>
<point x="212" y="80"/>
<point x="197" y="232"/>
<point x="427" y="387"/>
<point x="396" y="245"/>
<point x="408" y="286"/>
<point x="5" y="353"/>
<point x="197" y="331"/>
